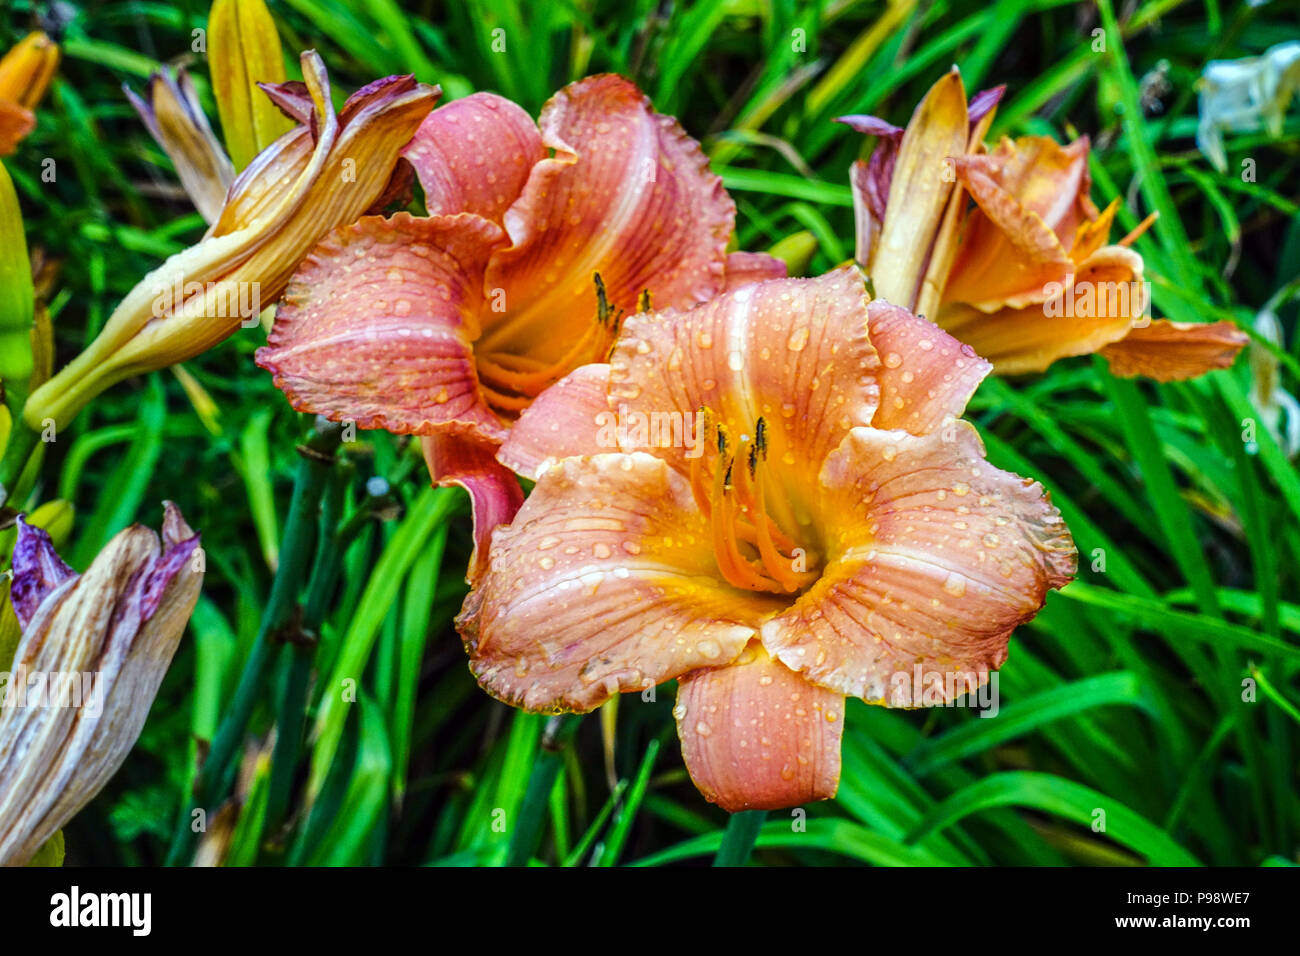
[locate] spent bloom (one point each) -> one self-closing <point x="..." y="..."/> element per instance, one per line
<point x="330" y="169"/>
<point x="93" y="652"/>
<point x="540" y="237"/>
<point x="841" y="527"/>
<point x="1026" y="275"/>
<point x="25" y="74"/>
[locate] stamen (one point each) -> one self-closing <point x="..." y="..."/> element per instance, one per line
<point x="1140" y="228"/>
<point x="733" y="565"/>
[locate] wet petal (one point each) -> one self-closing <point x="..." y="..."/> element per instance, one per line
<point x="376" y="326"/>
<point x="1171" y="351"/>
<point x="746" y="268"/>
<point x="793" y="351"/>
<point x="757" y="736"/>
<point x="1105" y="302"/>
<point x="474" y="155"/>
<point x="935" y="557"/>
<point x="567" y="420"/>
<point x="494" y="492"/>
<point x="926" y="375"/>
<point x="627" y="194"/>
<point x="604" y="582"/>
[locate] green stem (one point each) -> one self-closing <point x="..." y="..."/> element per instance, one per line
<point x="546" y="768"/>
<point x="22" y="442"/>
<point x="216" y="775"/>
<point x="738" y="841"/>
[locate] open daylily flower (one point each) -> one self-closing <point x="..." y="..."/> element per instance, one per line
<point x="93" y="652"/>
<point x="539" y="239"/>
<point x="25" y="74"/>
<point x="1025" y="277"/>
<point x="771" y="499"/>
<point x="329" y="170"/>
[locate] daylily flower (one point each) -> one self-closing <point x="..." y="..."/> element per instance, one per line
<point x="539" y="239"/>
<point x="25" y="74"/>
<point x="171" y="112"/>
<point x="94" y="649"/>
<point x="329" y="170"/>
<point x="841" y="534"/>
<point x="1244" y="95"/>
<point x="1025" y="277"/>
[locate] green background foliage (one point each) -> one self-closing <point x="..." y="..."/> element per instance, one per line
<point x="1124" y="695"/>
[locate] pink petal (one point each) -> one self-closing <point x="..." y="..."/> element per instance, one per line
<point x="925" y="376"/>
<point x="603" y="583"/>
<point x="475" y="155"/>
<point x="376" y="326"/>
<point x="746" y="268"/>
<point x="564" y="421"/>
<point x="935" y="557"/>
<point x="757" y="736"/>
<point x="494" y="492"/>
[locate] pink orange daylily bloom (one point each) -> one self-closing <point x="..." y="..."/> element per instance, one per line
<point x="832" y="529"/>
<point x="539" y="238"/>
<point x="1026" y="276"/>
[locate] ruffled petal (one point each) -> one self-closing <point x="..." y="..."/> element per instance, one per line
<point x="570" y="419"/>
<point x="792" y="351"/>
<point x="1171" y="351"/>
<point x="627" y="194"/>
<point x="494" y="492"/>
<point x="376" y="326"/>
<point x="746" y="268"/>
<point x="926" y="375"/>
<point x="474" y="155"/>
<point x="1105" y="302"/>
<point x="935" y="557"/>
<point x="757" y="736"/>
<point x="604" y="582"/>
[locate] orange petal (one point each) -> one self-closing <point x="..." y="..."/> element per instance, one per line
<point x="746" y="268"/>
<point x="1171" y="351"/>
<point x="1049" y="180"/>
<point x="794" y="351"/>
<point x="935" y="557"/>
<point x="605" y="582"/>
<point x="15" y="123"/>
<point x="627" y="194"/>
<point x="1104" y="304"/>
<point x="566" y="420"/>
<point x="757" y="736"/>
<point x="926" y="375"/>
<point x="494" y="492"/>
<point x="919" y="190"/>
<point x="377" y="323"/>
<point x="474" y="155"/>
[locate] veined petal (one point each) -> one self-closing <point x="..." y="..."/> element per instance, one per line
<point x="1171" y="351"/>
<point x="918" y="191"/>
<point x="757" y="736"/>
<point x="935" y="557"/>
<point x="926" y="375"/>
<point x="377" y="324"/>
<point x="1048" y="179"/>
<point x="746" y="268"/>
<point x="494" y="492"/>
<point x="605" y="582"/>
<point x="792" y="351"/>
<point x="37" y="571"/>
<point x="627" y="194"/>
<point x="474" y="155"/>
<point x="1103" y="304"/>
<point x="567" y="420"/>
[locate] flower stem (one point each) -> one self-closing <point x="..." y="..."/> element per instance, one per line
<point x="216" y="775"/>
<point x="546" y="768"/>
<point x="22" y="442"/>
<point x="738" y="840"/>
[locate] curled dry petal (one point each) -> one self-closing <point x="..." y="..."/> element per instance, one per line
<point x="171" y="112"/>
<point x="757" y="736"/>
<point x="1170" y="351"/>
<point x="106" y="639"/>
<point x="309" y="181"/>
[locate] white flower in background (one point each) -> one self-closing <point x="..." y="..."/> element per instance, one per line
<point x="1240" y="96"/>
<point x="1266" y="394"/>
